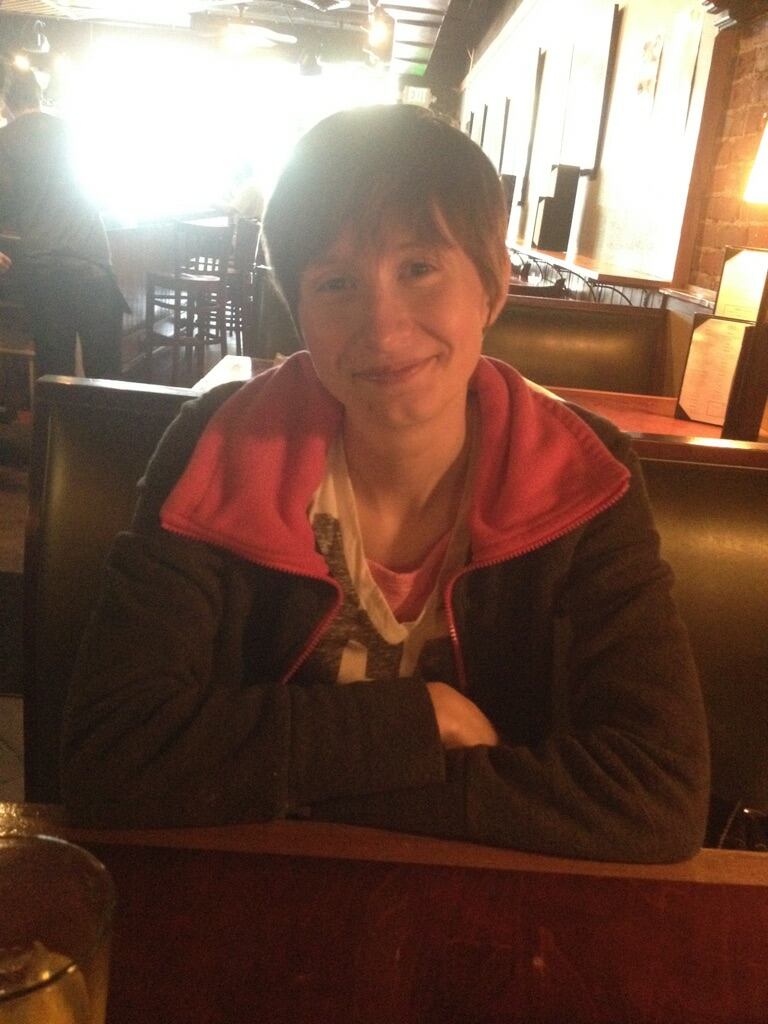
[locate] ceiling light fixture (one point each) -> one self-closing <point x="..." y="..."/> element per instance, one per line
<point x="381" y="35"/>
<point x="34" y="39"/>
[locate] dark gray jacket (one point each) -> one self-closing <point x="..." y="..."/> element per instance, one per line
<point x="191" y="703"/>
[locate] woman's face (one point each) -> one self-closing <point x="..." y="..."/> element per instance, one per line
<point x="395" y="327"/>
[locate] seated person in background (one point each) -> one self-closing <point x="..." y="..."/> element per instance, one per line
<point x="388" y="582"/>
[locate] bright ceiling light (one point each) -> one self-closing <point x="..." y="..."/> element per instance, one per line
<point x="381" y="33"/>
<point x="378" y="33"/>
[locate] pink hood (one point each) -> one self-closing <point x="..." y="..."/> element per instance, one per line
<point x="541" y="470"/>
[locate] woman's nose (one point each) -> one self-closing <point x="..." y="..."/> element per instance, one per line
<point x="386" y="318"/>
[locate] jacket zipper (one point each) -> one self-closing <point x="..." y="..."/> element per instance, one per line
<point x="488" y="562"/>
<point x="319" y="628"/>
<point x="326" y="620"/>
<point x="317" y="632"/>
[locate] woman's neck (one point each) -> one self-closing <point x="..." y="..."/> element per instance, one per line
<point x="407" y="487"/>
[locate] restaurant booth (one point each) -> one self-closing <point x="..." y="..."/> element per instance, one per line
<point x="625" y="135"/>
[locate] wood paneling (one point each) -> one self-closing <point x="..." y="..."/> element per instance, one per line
<point x="298" y="923"/>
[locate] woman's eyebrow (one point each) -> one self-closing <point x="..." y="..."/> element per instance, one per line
<point x="327" y="261"/>
<point x="426" y="242"/>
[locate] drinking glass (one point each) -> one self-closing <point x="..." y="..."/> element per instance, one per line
<point x="56" y="904"/>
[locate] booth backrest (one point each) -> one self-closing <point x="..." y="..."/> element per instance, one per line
<point x="565" y="343"/>
<point x="92" y="440"/>
<point x="713" y="522"/>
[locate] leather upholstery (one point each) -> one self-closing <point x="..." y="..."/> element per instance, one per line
<point x="91" y="442"/>
<point x="561" y="343"/>
<point x="93" y="438"/>
<point x="713" y="521"/>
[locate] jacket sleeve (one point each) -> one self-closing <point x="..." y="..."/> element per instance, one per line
<point x="624" y="776"/>
<point x="161" y="728"/>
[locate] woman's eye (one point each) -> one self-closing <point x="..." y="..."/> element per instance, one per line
<point x="418" y="268"/>
<point x="335" y="284"/>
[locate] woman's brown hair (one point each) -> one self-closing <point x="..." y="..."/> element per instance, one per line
<point x="358" y="167"/>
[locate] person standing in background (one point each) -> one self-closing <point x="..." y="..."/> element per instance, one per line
<point x="63" y="270"/>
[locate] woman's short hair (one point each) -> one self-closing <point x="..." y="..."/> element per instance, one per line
<point x="363" y="167"/>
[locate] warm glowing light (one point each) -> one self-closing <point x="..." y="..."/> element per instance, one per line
<point x="209" y="122"/>
<point x="757" y="186"/>
<point x="21" y="61"/>
<point x="378" y="33"/>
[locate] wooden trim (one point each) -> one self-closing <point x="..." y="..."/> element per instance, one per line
<point x="701" y="450"/>
<point x="580" y="306"/>
<point x="656" y="433"/>
<point x="351" y="842"/>
<point x="704" y="298"/>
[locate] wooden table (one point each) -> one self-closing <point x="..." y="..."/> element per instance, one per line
<point x="307" y="923"/>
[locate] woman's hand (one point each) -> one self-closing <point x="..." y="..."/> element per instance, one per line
<point x="5" y="263"/>
<point x="460" y="722"/>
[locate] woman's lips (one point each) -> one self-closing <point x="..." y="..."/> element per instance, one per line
<point x="385" y="375"/>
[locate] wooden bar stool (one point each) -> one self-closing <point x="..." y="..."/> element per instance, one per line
<point x="240" y="276"/>
<point x="186" y="308"/>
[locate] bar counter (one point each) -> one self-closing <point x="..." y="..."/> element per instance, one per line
<point x="308" y="922"/>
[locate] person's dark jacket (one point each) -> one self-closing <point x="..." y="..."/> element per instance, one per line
<point x="41" y="198"/>
<point x="191" y="703"/>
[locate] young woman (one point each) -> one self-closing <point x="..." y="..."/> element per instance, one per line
<point x="390" y="582"/>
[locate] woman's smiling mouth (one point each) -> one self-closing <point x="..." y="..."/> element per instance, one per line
<point x="388" y="375"/>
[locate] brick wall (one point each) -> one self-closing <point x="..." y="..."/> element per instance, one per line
<point x="727" y="219"/>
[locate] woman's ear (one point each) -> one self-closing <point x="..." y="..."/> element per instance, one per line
<point x="504" y="273"/>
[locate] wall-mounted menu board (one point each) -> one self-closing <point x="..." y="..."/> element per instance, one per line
<point x="709" y="370"/>
<point x="725" y="380"/>
<point x="742" y="292"/>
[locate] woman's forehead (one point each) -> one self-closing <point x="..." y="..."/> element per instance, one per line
<point x="390" y="229"/>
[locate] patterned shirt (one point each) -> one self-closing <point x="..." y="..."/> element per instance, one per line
<point x="365" y="640"/>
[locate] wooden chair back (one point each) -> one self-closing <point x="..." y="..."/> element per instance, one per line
<point x="202" y="248"/>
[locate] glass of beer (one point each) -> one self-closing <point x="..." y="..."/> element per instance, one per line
<point x="56" y="904"/>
